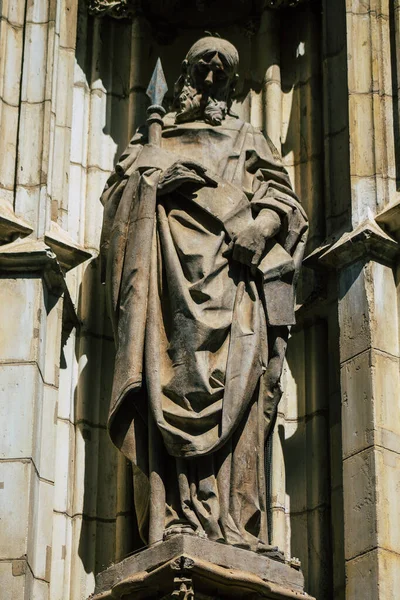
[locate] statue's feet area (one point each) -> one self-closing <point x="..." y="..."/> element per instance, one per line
<point x="189" y="567"/>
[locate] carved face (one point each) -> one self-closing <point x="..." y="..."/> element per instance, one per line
<point x="211" y="76"/>
<point x="206" y="89"/>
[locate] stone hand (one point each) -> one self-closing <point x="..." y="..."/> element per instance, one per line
<point x="249" y="244"/>
<point x="188" y="172"/>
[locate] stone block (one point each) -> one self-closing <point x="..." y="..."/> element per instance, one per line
<point x="35" y="62"/>
<point x="108" y="483"/>
<point x="38" y="12"/>
<point x="65" y="461"/>
<point x="124" y="525"/>
<point x="83" y="557"/>
<point x="385" y="324"/>
<point x="69" y="11"/>
<point x="355" y="310"/>
<point x="15" y="478"/>
<point x="45" y="434"/>
<point x="294" y="450"/>
<point x="90" y="374"/>
<point x="76" y="201"/>
<point x="30" y="140"/>
<point x="12" y="585"/>
<point x="39" y="590"/>
<point x="335" y="71"/>
<point x="359" y="49"/>
<point x="294" y="377"/>
<point x="102" y="148"/>
<point x="96" y="180"/>
<point x="299" y="541"/>
<point x="20" y="388"/>
<point x="386" y="401"/>
<point x="68" y="379"/>
<point x="92" y="314"/>
<point x="357" y="404"/>
<point x="40" y="528"/>
<point x="360" y="498"/>
<point x="11" y="63"/>
<point x="23" y="325"/>
<point x="80" y="124"/>
<point x="53" y="338"/>
<point x="388" y="508"/>
<point x="105" y="544"/>
<point x="61" y="557"/>
<point x="362" y="157"/>
<point x="27" y="200"/>
<point x="8" y="144"/>
<point x="65" y="89"/>
<point x="363" y="577"/>
<point x="374" y="575"/>
<point x="317" y="460"/>
<point x="361" y="7"/>
<point x="85" y="472"/>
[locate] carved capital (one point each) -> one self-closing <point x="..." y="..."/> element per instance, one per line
<point x="119" y="9"/>
<point x="283" y="3"/>
<point x="122" y="9"/>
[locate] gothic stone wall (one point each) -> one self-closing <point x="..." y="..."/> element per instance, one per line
<point x="322" y="80"/>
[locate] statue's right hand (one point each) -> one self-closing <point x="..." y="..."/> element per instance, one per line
<point x="188" y="172"/>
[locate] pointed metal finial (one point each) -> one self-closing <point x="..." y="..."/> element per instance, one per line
<point x="158" y="86"/>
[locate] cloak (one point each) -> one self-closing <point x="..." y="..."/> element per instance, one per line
<point x="191" y="325"/>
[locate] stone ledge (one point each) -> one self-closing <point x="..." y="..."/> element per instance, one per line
<point x="367" y="240"/>
<point x="209" y="568"/>
<point x="35" y="256"/>
<point x="69" y="254"/>
<point x="390" y="219"/>
<point x="11" y="225"/>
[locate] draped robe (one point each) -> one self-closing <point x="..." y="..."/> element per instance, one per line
<point x="190" y="406"/>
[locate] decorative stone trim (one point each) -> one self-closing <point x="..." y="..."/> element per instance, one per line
<point x="69" y="254"/>
<point x="118" y="9"/>
<point x="366" y="240"/>
<point x="11" y="225"/>
<point x="122" y="9"/>
<point x="389" y="219"/>
<point x="29" y="256"/>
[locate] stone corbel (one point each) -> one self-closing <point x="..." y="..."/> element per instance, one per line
<point x="11" y="225"/>
<point x="35" y="256"/>
<point x="366" y="240"/>
<point x="389" y="219"/>
<point x="68" y="253"/>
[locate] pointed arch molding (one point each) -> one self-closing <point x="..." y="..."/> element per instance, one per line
<point x="122" y="9"/>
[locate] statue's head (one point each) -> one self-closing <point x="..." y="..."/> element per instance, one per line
<point x="208" y="79"/>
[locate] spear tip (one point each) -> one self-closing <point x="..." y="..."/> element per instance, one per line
<point x="157" y="87"/>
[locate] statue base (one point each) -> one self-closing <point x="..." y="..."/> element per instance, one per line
<point x="187" y="567"/>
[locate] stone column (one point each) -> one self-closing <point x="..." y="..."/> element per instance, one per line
<point x="31" y="294"/>
<point x="369" y="357"/>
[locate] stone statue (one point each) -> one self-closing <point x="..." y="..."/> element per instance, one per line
<point x="200" y="290"/>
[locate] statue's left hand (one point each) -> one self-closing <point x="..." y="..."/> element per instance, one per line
<point x="249" y="244"/>
<point x="185" y="172"/>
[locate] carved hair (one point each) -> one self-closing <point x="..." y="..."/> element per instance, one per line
<point x="203" y="46"/>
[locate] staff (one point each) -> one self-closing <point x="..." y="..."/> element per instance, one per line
<point x="156" y="91"/>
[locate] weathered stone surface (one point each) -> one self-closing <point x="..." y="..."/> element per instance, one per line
<point x="242" y="572"/>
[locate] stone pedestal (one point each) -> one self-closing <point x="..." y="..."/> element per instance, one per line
<point x="191" y="568"/>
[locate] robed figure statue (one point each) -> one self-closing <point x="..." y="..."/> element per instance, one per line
<point x="202" y="243"/>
